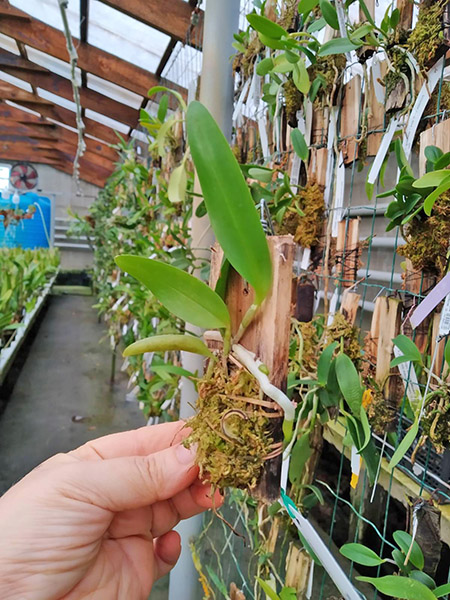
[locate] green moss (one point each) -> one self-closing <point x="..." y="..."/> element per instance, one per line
<point x="293" y="102"/>
<point x="231" y="433"/>
<point x="289" y="14"/>
<point x="306" y="229"/>
<point x="329" y="68"/>
<point x="339" y="329"/>
<point x="428" y="239"/>
<point x="426" y="37"/>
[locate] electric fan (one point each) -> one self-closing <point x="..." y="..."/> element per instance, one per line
<point x="23" y="177"/>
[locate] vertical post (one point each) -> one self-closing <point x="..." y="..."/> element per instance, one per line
<point x="216" y="93"/>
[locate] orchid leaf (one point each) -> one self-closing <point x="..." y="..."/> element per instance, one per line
<point x="165" y="343"/>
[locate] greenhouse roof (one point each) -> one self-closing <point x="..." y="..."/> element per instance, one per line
<point x="124" y="48"/>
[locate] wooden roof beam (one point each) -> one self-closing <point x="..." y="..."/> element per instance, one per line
<point x="45" y="79"/>
<point x="50" y="40"/>
<point x="172" y="18"/>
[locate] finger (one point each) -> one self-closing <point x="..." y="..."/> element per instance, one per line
<point x="163" y="516"/>
<point x="138" y="442"/>
<point x="192" y="501"/>
<point x="125" y="483"/>
<point x="167" y="549"/>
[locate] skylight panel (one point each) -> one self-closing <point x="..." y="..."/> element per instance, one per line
<point x="125" y="37"/>
<point x="57" y="99"/>
<point x="184" y="65"/>
<point x="55" y="65"/>
<point x="116" y="92"/>
<point x="23" y="85"/>
<point x="49" y="12"/>
<point x="9" y="44"/>
<point x="120" y="127"/>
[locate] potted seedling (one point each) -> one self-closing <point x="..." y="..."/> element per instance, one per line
<point x="231" y="427"/>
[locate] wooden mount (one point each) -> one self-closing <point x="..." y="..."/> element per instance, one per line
<point x="267" y="336"/>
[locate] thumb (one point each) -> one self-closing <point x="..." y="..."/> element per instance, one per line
<point x="125" y="483"/>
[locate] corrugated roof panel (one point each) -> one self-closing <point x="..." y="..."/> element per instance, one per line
<point x="120" y="127"/>
<point x="57" y="99"/>
<point x="49" y="12"/>
<point x="113" y="91"/>
<point x="23" y="85"/>
<point x="125" y="37"/>
<point x="9" y="44"/>
<point x="51" y="63"/>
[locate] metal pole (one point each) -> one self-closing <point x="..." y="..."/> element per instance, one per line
<point x="216" y="93"/>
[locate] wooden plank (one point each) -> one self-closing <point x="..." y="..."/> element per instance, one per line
<point x="389" y="314"/>
<point x="350" y="114"/>
<point x="437" y="369"/>
<point x="15" y="94"/>
<point x="418" y="282"/>
<point x="317" y="166"/>
<point x="437" y="135"/>
<point x="268" y="334"/>
<point x="349" y="306"/>
<point x="10" y="128"/>
<point x="406" y="8"/>
<point x="172" y="18"/>
<point x="93" y="60"/>
<point x="375" y="119"/>
<point x="347" y="252"/>
<point x="45" y="79"/>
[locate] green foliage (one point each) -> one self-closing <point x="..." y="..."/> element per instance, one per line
<point x="230" y="207"/>
<point x="23" y="274"/>
<point x="169" y="342"/>
<point x="361" y="555"/>
<point x="182" y="294"/>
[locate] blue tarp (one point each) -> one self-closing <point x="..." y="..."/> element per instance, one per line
<point x="27" y="233"/>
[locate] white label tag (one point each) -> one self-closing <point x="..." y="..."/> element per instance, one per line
<point x="295" y="169"/>
<point x="382" y="151"/>
<point x="333" y="304"/>
<point x="433" y="76"/>
<point x="330" y="156"/>
<point x="339" y="195"/>
<point x="305" y="259"/>
<point x="376" y="78"/>
<point x="444" y="324"/>
<point x="263" y="137"/>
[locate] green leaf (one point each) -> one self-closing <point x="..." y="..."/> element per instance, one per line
<point x="431" y="198"/>
<point x="399" y="559"/>
<point x="408" y="348"/>
<point x="401" y="157"/>
<point x="162" y="88"/>
<point x="404" y="445"/>
<point x="306" y="6"/>
<point x="300" y="77"/>
<point x="288" y="593"/>
<point x="273" y="43"/>
<point x="162" y="108"/>
<point x="317" y="25"/>
<point x="361" y="32"/>
<point x="176" y="190"/>
<point x="300" y="454"/>
<point x="184" y="295"/>
<point x="264" y="66"/>
<point x="423" y="578"/>
<point x="403" y="588"/>
<point x="442" y="590"/>
<point x="282" y="65"/>
<point x="395" y="18"/>
<point x="361" y="555"/>
<point x="433" y="153"/>
<point x="324" y="363"/>
<point x="217" y="582"/>
<point x="164" y="343"/>
<point x="266" y="26"/>
<point x="403" y="540"/>
<point x="366" y="431"/>
<point x="432" y="179"/>
<point x="447" y="352"/>
<point x="261" y="174"/>
<point x="299" y="144"/>
<point x="443" y="162"/>
<point x="266" y="589"/>
<point x="366" y="12"/>
<point x="349" y="383"/>
<point x="234" y="218"/>
<point x="337" y="46"/>
<point x="329" y="14"/>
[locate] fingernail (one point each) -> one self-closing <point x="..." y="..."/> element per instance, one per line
<point x="186" y="456"/>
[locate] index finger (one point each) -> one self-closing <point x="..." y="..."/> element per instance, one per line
<point x="137" y="442"/>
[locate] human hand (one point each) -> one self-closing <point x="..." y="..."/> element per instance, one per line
<point x="96" y="523"/>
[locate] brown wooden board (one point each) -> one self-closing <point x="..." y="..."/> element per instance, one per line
<point x="268" y="335"/>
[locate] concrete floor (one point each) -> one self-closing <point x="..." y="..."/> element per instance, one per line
<point x="65" y="375"/>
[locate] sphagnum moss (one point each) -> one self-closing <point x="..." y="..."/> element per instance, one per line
<point x="231" y="434"/>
